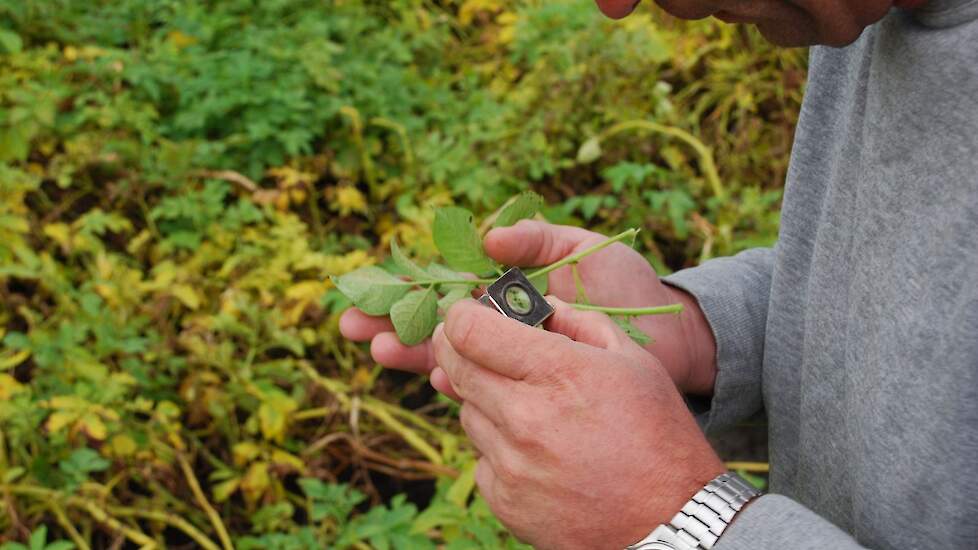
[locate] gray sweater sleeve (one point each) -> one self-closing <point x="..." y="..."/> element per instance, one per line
<point x="733" y="294"/>
<point x="775" y="522"/>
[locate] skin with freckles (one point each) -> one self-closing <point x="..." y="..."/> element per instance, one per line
<point x="787" y="23"/>
<point x="586" y="442"/>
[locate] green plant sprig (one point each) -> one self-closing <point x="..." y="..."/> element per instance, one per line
<point x="418" y="298"/>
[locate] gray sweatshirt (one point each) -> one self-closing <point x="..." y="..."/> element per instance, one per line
<point x="857" y="333"/>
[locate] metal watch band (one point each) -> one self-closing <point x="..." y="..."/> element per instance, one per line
<point x="704" y="518"/>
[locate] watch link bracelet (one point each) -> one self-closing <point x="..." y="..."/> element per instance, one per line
<point x="704" y="518"/>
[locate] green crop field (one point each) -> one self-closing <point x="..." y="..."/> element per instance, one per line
<point x="180" y="179"/>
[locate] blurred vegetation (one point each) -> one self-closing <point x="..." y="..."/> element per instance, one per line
<point x="179" y="179"/>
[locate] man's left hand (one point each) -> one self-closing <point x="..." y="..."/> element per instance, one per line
<point x="585" y="441"/>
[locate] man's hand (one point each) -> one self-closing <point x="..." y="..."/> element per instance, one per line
<point x="586" y="442"/>
<point x="617" y="276"/>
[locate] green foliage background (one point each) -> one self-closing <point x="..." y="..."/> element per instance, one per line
<point x="179" y="179"/>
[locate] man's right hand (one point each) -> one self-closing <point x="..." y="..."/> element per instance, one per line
<point x="616" y="276"/>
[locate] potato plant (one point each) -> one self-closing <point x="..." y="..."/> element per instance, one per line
<point x="417" y="300"/>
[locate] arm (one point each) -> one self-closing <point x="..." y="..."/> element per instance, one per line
<point x="732" y="294"/>
<point x="773" y="522"/>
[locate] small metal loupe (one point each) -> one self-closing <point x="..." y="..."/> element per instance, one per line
<point x="514" y="296"/>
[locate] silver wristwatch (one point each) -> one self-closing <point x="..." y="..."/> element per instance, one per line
<point x="703" y="519"/>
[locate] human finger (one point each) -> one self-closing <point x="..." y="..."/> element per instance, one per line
<point x="498" y="343"/>
<point x="441" y="382"/>
<point x="358" y="326"/>
<point x="589" y="327"/>
<point x="386" y="348"/>
<point x="485" y="479"/>
<point x="533" y="243"/>
<point x="487" y="389"/>
<point x="484" y="434"/>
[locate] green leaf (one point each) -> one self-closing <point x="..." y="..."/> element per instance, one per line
<point x="440" y="272"/>
<point x="454" y="295"/>
<point x="39" y="538"/>
<point x="540" y="283"/>
<point x="10" y="42"/>
<point x="458" y="241"/>
<point x="523" y="207"/>
<point x="334" y="500"/>
<point x="407" y="264"/>
<point x="461" y="489"/>
<point x="590" y="151"/>
<point x="632" y="331"/>
<point x="83" y="461"/>
<point x="415" y="316"/>
<point x="372" y="289"/>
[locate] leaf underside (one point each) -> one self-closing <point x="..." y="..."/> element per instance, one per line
<point x="371" y="289"/>
<point x="458" y="241"/>
<point x="524" y="206"/>
<point x="415" y="315"/>
<point x="407" y="264"/>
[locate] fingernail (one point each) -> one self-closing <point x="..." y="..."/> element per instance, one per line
<point x="439" y="328"/>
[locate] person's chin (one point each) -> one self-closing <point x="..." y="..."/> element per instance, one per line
<point x="684" y="9"/>
<point x="788" y="37"/>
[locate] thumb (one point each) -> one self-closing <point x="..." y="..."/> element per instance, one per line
<point x="589" y="327"/>
<point x="533" y="243"/>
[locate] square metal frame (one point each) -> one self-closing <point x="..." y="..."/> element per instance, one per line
<point x="495" y="297"/>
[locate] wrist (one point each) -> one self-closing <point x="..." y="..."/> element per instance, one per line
<point x="704" y="518"/>
<point x="701" y="348"/>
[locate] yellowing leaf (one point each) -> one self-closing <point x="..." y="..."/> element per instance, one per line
<point x="306" y="291"/>
<point x="58" y="420"/>
<point x="9" y="386"/>
<point x="59" y="233"/>
<point x="288" y="176"/>
<point x="93" y="426"/>
<point x="245" y="452"/>
<point x="349" y="199"/>
<point x="507" y="22"/>
<point x="223" y="490"/>
<point x="122" y="445"/>
<point x="283" y="458"/>
<point x="187" y="295"/>
<point x="468" y="10"/>
<point x="14" y="360"/>
<point x="180" y="40"/>
<point x="341" y="265"/>
<point x="255" y="481"/>
<point x="273" y="415"/>
<point x="67" y="402"/>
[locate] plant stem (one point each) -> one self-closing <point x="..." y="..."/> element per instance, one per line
<point x="215" y="518"/>
<point x="574" y="258"/>
<point x="753" y="467"/>
<point x="707" y="164"/>
<point x="422" y="282"/>
<point x="630" y="311"/>
<point x="579" y="283"/>
<point x="62" y="518"/>
<point x="169" y="519"/>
